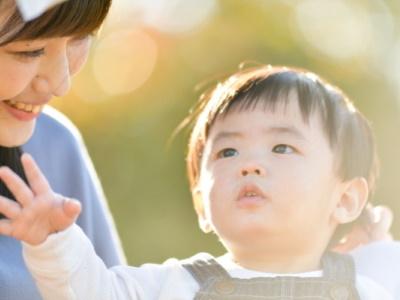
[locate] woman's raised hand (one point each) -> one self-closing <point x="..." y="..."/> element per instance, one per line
<point x="38" y="211"/>
<point x="376" y="227"/>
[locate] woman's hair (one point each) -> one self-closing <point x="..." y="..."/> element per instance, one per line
<point x="347" y="131"/>
<point x="10" y="157"/>
<point x="70" y="18"/>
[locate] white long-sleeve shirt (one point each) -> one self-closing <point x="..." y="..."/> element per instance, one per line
<point x="66" y="267"/>
<point x="380" y="261"/>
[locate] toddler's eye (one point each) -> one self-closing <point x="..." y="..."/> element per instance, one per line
<point x="283" y="149"/>
<point x="227" y="152"/>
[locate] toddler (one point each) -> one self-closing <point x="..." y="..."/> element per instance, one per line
<point x="279" y="161"/>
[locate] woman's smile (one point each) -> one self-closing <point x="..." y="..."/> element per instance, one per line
<point x="22" y="111"/>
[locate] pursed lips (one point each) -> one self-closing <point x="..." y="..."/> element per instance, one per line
<point x="250" y="195"/>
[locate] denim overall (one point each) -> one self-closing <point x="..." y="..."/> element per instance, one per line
<point x="337" y="282"/>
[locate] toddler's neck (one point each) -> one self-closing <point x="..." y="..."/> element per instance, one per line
<point x="279" y="262"/>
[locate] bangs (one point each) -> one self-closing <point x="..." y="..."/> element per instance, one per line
<point x="272" y="90"/>
<point x="71" y="18"/>
<point x="280" y="89"/>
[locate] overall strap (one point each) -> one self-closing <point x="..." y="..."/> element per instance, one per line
<point x="337" y="283"/>
<point x="338" y="267"/>
<point x="204" y="269"/>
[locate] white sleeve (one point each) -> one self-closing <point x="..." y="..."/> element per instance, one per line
<point x="380" y="261"/>
<point x="370" y="290"/>
<point x="65" y="267"/>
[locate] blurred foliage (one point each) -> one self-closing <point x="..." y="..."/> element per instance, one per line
<point x="144" y="177"/>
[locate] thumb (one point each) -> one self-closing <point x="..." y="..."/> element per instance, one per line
<point x="71" y="208"/>
<point x="66" y="213"/>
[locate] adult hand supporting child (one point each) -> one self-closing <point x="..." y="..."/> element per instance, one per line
<point x="39" y="211"/>
<point x="375" y="228"/>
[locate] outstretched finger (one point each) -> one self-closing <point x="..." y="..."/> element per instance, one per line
<point x="36" y="179"/>
<point x="9" y="208"/>
<point x="16" y="185"/>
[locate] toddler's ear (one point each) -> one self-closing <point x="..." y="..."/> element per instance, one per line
<point x="352" y="201"/>
<point x="204" y="224"/>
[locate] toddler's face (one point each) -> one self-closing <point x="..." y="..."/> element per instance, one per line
<point x="268" y="180"/>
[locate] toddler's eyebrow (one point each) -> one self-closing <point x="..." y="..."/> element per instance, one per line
<point x="276" y="130"/>
<point x="226" y="135"/>
<point x="287" y="130"/>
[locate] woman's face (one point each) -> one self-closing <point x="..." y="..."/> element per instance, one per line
<point x="31" y="73"/>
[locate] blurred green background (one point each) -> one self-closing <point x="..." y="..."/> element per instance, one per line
<point x="143" y="76"/>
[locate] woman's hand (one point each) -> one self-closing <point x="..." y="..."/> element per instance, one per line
<point x="38" y="211"/>
<point x="375" y="228"/>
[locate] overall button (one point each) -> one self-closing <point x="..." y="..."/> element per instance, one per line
<point x="340" y="292"/>
<point x="224" y="287"/>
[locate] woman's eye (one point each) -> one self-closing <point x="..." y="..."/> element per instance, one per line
<point x="283" y="149"/>
<point x="30" y="54"/>
<point x="227" y="152"/>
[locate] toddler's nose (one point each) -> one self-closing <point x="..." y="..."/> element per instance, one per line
<point x="252" y="170"/>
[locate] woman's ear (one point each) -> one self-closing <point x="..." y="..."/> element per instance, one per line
<point x="204" y="223"/>
<point x="352" y="201"/>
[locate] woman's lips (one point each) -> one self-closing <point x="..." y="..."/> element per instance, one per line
<point x="22" y="111"/>
<point x="251" y="196"/>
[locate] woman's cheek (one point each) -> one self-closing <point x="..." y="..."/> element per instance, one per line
<point x="78" y="53"/>
<point x="14" y="82"/>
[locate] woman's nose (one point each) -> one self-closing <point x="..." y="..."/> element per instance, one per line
<point x="54" y="77"/>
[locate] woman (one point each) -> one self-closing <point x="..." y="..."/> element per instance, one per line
<point x="37" y="60"/>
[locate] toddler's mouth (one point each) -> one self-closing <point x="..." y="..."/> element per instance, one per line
<point x="25" y="107"/>
<point x="251" y="196"/>
<point x="251" y="190"/>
